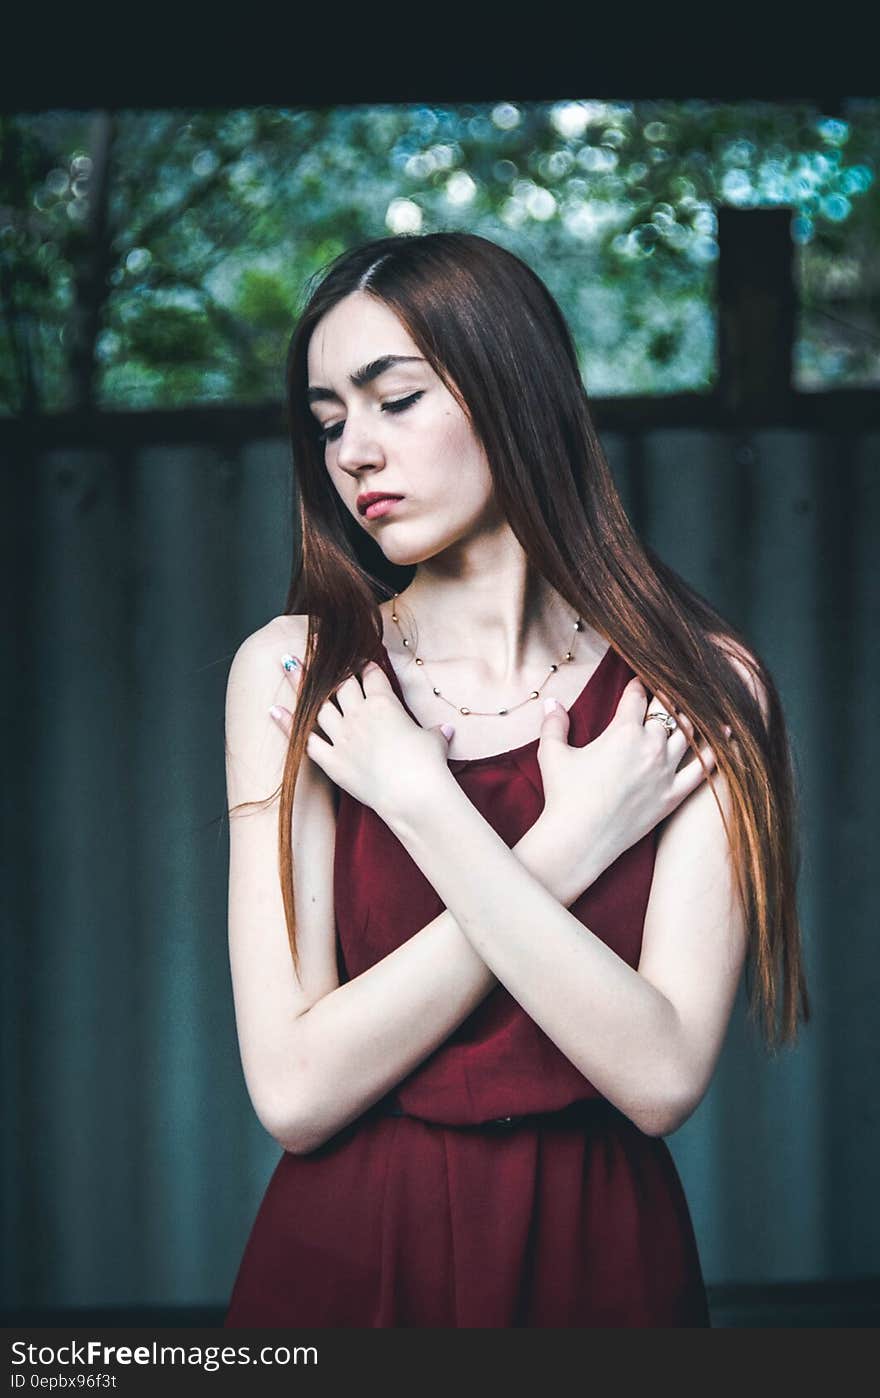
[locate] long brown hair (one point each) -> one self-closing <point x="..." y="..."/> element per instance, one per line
<point x="495" y="336"/>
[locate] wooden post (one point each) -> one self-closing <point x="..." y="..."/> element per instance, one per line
<point x="756" y="313"/>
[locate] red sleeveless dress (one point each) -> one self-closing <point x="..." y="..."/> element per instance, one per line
<point x="495" y="1187"/>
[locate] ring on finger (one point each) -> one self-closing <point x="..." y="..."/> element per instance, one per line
<point x="670" y="723"/>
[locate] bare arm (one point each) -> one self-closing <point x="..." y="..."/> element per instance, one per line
<point x="357" y="1042"/>
<point x="617" y="1028"/>
<point x="648" y="1038"/>
<point x="316" y="1054"/>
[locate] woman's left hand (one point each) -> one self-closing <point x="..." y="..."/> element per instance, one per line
<point x="373" y="749"/>
<point x="612" y="791"/>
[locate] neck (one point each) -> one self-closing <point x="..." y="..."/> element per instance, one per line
<point x="508" y="619"/>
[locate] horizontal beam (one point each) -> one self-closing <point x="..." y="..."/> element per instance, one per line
<point x="831" y="410"/>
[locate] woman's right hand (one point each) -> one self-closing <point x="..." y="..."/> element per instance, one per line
<point x="602" y="798"/>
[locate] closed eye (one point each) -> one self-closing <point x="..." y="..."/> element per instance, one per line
<point x="395" y="405"/>
<point x="399" y="405"/>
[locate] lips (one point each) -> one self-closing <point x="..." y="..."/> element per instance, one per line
<point x="371" y="498"/>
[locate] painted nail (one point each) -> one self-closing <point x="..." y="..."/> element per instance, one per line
<point x="289" y="662"/>
<point x="275" y="711"/>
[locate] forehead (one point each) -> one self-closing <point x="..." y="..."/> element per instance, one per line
<point x="357" y="329"/>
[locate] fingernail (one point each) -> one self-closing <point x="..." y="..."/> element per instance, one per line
<point x="728" y="730"/>
<point x="551" y="705"/>
<point x="447" y="730"/>
<point x="275" y="711"/>
<point x="289" y="662"/>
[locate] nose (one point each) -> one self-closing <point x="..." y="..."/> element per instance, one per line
<point x="359" y="445"/>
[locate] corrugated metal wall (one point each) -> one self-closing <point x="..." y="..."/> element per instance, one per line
<point x="133" y="1164"/>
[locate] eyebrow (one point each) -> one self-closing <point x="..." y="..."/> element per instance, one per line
<point x="366" y="374"/>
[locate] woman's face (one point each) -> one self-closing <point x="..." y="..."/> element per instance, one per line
<point x="390" y="424"/>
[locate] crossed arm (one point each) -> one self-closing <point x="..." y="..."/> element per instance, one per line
<point x="648" y="1039"/>
<point x="354" y="1043"/>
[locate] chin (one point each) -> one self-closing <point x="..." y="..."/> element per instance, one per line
<point x="403" y="546"/>
<point x="404" y="557"/>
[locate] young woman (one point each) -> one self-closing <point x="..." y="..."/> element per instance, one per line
<point x="483" y="955"/>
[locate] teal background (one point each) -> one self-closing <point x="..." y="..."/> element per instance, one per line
<point x="132" y="1162"/>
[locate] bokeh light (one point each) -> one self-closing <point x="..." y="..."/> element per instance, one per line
<point x="215" y="221"/>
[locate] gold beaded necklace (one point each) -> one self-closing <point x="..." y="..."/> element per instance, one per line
<point x="495" y="713"/>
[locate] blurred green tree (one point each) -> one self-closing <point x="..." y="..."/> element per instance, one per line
<point x="159" y="258"/>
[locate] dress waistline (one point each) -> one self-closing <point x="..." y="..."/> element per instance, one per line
<point x="587" y="1109"/>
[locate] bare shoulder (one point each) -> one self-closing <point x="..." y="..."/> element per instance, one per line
<point x="747" y="666"/>
<point x="256" y="666"/>
<point x="281" y="634"/>
<point x="255" y="746"/>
